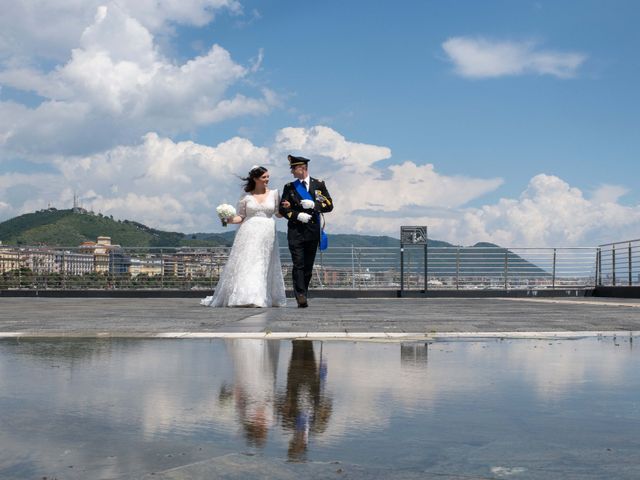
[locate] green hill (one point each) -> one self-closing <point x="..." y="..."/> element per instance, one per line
<point x="68" y="228"/>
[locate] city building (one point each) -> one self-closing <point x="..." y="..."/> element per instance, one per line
<point x="107" y="258"/>
<point x="9" y="259"/>
<point x="150" y="267"/>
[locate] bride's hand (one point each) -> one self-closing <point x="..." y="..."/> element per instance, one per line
<point x="286" y="204"/>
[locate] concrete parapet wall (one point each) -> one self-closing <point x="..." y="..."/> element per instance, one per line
<point x="617" y="292"/>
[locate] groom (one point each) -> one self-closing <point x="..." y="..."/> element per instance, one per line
<point x="302" y="203"/>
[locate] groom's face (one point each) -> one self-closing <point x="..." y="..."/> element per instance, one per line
<point x="299" y="172"/>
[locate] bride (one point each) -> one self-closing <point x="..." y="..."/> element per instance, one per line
<point x="252" y="276"/>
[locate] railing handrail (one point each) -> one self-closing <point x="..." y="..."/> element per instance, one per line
<point x="626" y="242"/>
<point x="187" y="247"/>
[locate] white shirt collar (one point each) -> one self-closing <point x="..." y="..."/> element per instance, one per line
<point x="307" y="180"/>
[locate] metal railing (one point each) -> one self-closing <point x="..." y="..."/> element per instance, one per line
<point x="463" y="268"/>
<point x="459" y="268"/>
<point x="619" y="263"/>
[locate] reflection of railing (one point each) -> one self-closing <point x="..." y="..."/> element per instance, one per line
<point x="362" y="268"/>
<point x="619" y="263"/>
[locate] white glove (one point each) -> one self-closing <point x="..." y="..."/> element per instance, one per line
<point x="307" y="204"/>
<point x="304" y="217"/>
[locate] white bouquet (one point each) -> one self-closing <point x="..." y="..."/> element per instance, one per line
<point x="225" y="211"/>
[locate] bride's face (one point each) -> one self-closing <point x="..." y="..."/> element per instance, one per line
<point x="262" y="180"/>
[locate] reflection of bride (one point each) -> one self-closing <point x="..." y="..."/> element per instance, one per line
<point x="305" y="408"/>
<point x="252" y="276"/>
<point x="255" y="364"/>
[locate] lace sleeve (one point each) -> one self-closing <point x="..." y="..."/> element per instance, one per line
<point x="241" y="209"/>
<point x="276" y="204"/>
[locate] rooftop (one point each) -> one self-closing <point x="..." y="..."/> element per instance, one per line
<point x="337" y="318"/>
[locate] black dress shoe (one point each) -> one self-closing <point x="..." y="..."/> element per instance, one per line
<point x="302" y="301"/>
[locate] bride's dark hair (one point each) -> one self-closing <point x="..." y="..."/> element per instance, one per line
<point x="255" y="172"/>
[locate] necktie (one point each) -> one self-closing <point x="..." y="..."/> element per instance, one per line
<point x="304" y="184"/>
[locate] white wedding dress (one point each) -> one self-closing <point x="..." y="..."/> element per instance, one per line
<point x="252" y="276"/>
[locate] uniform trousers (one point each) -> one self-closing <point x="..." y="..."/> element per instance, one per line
<point x="303" y="241"/>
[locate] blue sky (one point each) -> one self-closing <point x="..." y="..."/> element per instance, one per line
<point x="507" y="121"/>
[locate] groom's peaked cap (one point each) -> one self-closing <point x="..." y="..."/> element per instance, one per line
<point x="293" y="161"/>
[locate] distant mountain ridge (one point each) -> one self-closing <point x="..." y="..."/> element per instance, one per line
<point x="335" y="239"/>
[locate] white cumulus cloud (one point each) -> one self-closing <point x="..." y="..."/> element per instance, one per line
<point x="483" y="58"/>
<point x="609" y="193"/>
<point x="550" y="213"/>
<point x="173" y="185"/>
<point x="177" y="185"/>
<point x="50" y="28"/>
<point x="116" y="86"/>
<point x="366" y="192"/>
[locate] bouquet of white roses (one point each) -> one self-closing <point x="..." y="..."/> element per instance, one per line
<point x="225" y="211"/>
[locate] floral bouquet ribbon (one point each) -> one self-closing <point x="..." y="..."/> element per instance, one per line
<point x="225" y="211"/>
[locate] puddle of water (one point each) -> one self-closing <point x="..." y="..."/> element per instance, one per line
<point x="78" y="409"/>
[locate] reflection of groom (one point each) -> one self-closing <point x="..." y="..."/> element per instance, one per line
<point x="305" y="408"/>
<point x="302" y="203"/>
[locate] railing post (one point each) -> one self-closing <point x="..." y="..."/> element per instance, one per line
<point x="358" y="255"/>
<point x="630" y="267"/>
<point x="161" y="270"/>
<point x="401" y="270"/>
<point x="457" y="268"/>
<point x="599" y="267"/>
<point x="353" y="268"/>
<point x="64" y="271"/>
<point x="613" y="264"/>
<point x="553" y="275"/>
<point x="506" y="269"/>
<point x="426" y="266"/>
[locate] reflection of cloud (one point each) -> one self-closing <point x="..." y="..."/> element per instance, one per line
<point x="365" y="381"/>
<point x="96" y="395"/>
<point x="554" y="369"/>
<point x="96" y="389"/>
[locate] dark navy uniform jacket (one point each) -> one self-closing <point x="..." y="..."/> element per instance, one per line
<point x="317" y="188"/>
